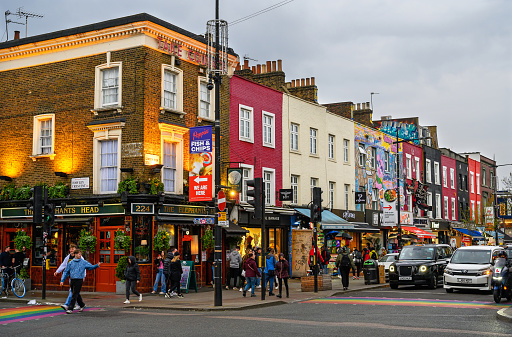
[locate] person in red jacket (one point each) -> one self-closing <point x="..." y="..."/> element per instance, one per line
<point x="251" y="273"/>
<point x="319" y="260"/>
<point x="282" y="267"/>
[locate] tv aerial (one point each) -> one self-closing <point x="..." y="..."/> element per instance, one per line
<point x="20" y="13"/>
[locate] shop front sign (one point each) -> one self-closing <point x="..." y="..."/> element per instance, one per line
<point x="143" y="208"/>
<point x="22" y="212"/>
<point x="201" y="158"/>
<point x="186" y="210"/>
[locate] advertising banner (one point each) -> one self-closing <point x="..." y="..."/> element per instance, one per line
<point x="201" y="164"/>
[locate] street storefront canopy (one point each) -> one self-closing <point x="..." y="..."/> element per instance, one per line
<point x="420" y="233"/>
<point x="474" y="234"/>
<point x="329" y="219"/>
<point x="363" y="227"/>
<point x="235" y="230"/>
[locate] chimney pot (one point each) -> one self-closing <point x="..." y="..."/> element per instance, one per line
<point x="273" y="65"/>
<point x="358" y="106"/>
<point x="367" y="105"/>
<point x="269" y="66"/>
<point x="293" y="83"/>
<point x="246" y="64"/>
<point x="16" y="34"/>
<point x="302" y="82"/>
<point x="279" y="65"/>
<point x="254" y="69"/>
<point x="238" y="67"/>
<point x="258" y="69"/>
<point x="263" y="68"/>
<point x="312" y="81"/>
<point x="307" y="82"/>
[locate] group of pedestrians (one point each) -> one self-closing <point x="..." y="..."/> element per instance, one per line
<point x="169" y="273"/>
<point x="8" y="262"/>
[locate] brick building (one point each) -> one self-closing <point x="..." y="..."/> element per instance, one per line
<point x="93" y="106"/>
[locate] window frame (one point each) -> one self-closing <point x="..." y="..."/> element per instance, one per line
<point x="98" y="90"/>
<point x="408" y="165"/>
<point x="179" y="89"/>
<point x="250" y="170"/>
<point x="373" y="160"/>
<point x="429" y="203"/>
<point x="386" y="161"/>
<point x="471" y="182"/>
<point x="331" y="141"/>
<point x="454" y="205"/>
<point x="436" y="173"/>
<point x="174" y="134"/>
<point x="428" y="171"/>
<point x="346" y="150"/>
<point x="417" y="168"/>
<point x="375" y="199"/>
<point x="295" y="188"/>
<point x="452" y="178"/>
<point x="478" y="183"/>
<point x="200" y="116"/>
<point x="332" y="189"/>
<point x="270" y="194"/>
<point x="347" y="196"/>
<point x="294" y="135"/>
<point x="250" y="121"/>
<point x="362" y="155"/>
<point x="313" y="141"/>
<point x="272" y="127"/>
<point x="445" y="176"/>
<point x="446" y="208"/>
<point x="36" y="136"/>
<point x="438" y="206"/>
<point x="313" y="182"/>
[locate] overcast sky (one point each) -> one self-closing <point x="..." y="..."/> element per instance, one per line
<point x="448" y="62"/>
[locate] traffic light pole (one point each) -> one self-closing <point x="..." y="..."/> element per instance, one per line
<point x="316" y="217"/>
<point x="263" y="257"/>
<point x="315" y="259"/>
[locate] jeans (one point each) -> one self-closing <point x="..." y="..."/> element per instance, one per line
<point x="76" y="286"/>
<point x="251" y="282"/>
<point x="68" y="300"/>
<point x="324" y="269"/>
<point x="285" y="280"/>
<point x="159" y="278"/>
<point x="270" y="281"/>
<point x="132" y="285"/>
<point x="258" y="279"/>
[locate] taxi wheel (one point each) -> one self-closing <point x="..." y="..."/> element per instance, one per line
<point x="432" y="284"/>
<point x="449" y="290"/>
<point x="393" y="285"/>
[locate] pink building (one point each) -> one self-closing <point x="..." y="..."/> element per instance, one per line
<point x="255" y="130"/>
<point x="413" y="169"/>
<point x="474" y="187"/>
<point x="449" y="186"/>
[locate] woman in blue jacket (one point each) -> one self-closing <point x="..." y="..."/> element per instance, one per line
<point x="270" y="271"/>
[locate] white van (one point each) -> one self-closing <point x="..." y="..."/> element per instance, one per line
<point x="470" y="268"/>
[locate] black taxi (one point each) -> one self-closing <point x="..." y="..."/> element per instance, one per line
<point x="420" y="265"/>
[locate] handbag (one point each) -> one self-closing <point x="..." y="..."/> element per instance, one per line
<point x="243" y="273"/>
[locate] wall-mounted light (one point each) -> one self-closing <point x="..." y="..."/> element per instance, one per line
<point x="61" y="174"/>
<point x="156" y="168"/>
<point x="6" y="178"/>
<point x="126" y="169"/>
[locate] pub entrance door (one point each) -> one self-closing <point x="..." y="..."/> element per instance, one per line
<point x="108" y="256"/>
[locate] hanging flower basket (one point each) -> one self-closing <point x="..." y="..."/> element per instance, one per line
<point x="22" y="240"/>
<point x="122" y="241"/>
<point x="161" y="241"/>
<point x="87" y="241"/>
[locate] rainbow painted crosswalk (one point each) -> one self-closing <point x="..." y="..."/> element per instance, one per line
<point x="20" y="314"/>
<point x="414" y="302"/>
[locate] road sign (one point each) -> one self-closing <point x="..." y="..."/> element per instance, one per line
<point x="221" y="200"/>
<point x="389" y="214"/>
<point x="360" y="198"/>
<point x="223" y="219"/>
<point x="286" y="194"/>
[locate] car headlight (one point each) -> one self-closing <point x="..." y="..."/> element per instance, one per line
<point x="448" y="271"/>
<point x="484" y="272"/>
<point x="391" y="269"/>
<point x="423" y="269"/>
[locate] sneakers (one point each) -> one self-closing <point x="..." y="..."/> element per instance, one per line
<point x="258" y="287"/>
<point x="174" y="293"/>
<point x="243" y="293"/>
<point x="227" y="288"/>
<point x="279" y="296"/>
<point x="153" y="292"/>
<point x="140" y="298"/>
<point x="69" y="311"/>
<point x="241" y="289"/>
<point x="127" y="302"/>
<point x="81" y="309"/>
<point x="277" y="287"/>
<point x="353" y="277"/>
<point x="271" y="294"/>
<point x="77" y="307"/>
<point x="161" y="293"/>
<point x="167" y="295"/>
<point x="358" y="277"/>
<point x="253" y="295"/>
<point x="235" y="288"/>
<point x="180" y="296"/>
<point x="65" y="307"/>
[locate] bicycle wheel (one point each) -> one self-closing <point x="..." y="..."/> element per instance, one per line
<point x="18" y="287"/>
<point x="2" y="283"/>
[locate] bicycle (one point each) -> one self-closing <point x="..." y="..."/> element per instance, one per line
<point x="17" y="284"/>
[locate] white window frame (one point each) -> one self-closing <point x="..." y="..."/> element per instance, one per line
<point x="446" y="210"/>
<point x="386" y="161"/>
<point x="332" y="189"/>
<point x="173" y="134"/>
<point x="331" y="140"/>
<point x="375" y="199"/>
<point x="270" y="185"/>
<point x="211" y="114"/>
<point x="428" y="171"/>
<point x="478" y="212"/>
<point x="373" y="160"/>
<point x="454" y="204"/>
<point x="472" y="209"/>
<point x="178" y="108"/>
<point x="346" y="150"/>
<point x="436" y="173"/>
<point x="313" y="183"/>
<point x="105" y="132"/>
<point x="36" y="136"/>
<point x="313" y="141"/>
<point x="408" y="162"/>
<point x="445" y="177"/>
<point x="429" y="203"/>
<point x="417" y="167"/>
<point x="409" y="201"/>
<point x="294" y="183"/>
<point x="250" y="122"/>
<point x="249" y="170"/>
<point x="452" y="178"/>
<point x="294" y="137"/>
<point x="362" y="155"/>
<point x="471" y="182"/>
<point x="478" y="183"/>
<point x="268" y="130"/>
<point x="98" y="90"/>
<point x="438" y="206"/>
<point x="347" y="196"/>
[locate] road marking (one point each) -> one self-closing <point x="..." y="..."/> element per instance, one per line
<point x="21" y="314"/>
<point x="415" y="302"/>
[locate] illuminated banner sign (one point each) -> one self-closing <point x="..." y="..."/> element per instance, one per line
<point x="21" y="212"/>
<point x="182" y="51"/>
<point x="201" y="158"/>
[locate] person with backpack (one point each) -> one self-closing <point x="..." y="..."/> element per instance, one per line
<point x="373" y="254"/>
<point x="270" y="271"/>
<point x="344" y="262"/>
<point x="357" y="257"/>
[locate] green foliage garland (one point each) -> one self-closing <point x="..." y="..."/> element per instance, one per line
<point x="59" y="190"/>
<point x="22" y="240"/>
<point x="122" y="241"/>
<point x="207" y="240"/>
<point x="120" y="268"/>
<point x="161" y="241"/>
<point x="156" y="186"/>
<point x="87" y="241"/>
<point x="129" y="184"/>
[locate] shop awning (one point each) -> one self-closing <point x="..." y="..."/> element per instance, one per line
<point x="474" y="234"/>
<point x="363" y="227"/>
<point x="419" y="232"/>
<point x="329" y="219"/>
<point x="235" y="230"/>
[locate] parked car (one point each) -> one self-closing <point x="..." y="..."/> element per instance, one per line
<point x="420" y="265"/>
<point x="471" y="268"/>
<point x="386" y="261"/>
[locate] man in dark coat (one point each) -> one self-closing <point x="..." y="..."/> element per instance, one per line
<point x="167" y="272"/>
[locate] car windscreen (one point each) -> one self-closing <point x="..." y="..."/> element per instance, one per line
<point x="387" y="258"/>
<point x="468" y="256"/>
<point x="417" y="253"/>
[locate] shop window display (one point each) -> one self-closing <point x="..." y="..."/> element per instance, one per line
<point x="142" y="238"/>
<point x="38" y="247"/>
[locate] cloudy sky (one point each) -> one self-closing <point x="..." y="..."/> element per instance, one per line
<point x="448" y="62"/>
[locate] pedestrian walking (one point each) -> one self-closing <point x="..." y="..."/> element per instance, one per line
<point x="243" y="278"/>
<point x="326" y="257"/>
<point x="167" y="271"/>
<point x="62" y="267"/>
<point x="357" y="257"/>
<point x="160" y="277"/>
<point x="282" y="267"/>
<point x="270" y="268"/>
<point x="211" y="261"/>
<point x="256" y="257"/>
<point x="132" y="277"/>
<point x="175" y="277"/>
<point x="234" y="259"/>
<point x="251" y="273"/>
<point x="314" y="264"/>
<point x="343" y="263"/>
<point x="75" y="270"/>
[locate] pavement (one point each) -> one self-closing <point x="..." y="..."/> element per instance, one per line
<point x="203" y="300"/>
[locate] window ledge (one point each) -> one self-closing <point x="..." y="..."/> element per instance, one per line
<point x="248" y="140"/>
<point x="116" y="108"/>
<point x="332" y="160"/>
<point x="39" y="156"/>
<point x="314" y="155"/>
<point x="202" y="118"/>
<point x="295" y="151"/>
<point x="177" y="112"/>
<point x="272" y="146"/>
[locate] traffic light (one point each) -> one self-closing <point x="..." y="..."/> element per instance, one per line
<point x="49" y="210"/>
<point x="232" y="195"/>
<point x="256" y="193"/>
<point x="36" y="204"/>
<point x="316" y="205"/>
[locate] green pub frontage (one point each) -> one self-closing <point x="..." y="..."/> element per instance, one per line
<point x="184" y="224"/>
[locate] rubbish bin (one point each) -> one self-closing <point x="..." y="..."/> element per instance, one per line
<point x="371" y="271"/>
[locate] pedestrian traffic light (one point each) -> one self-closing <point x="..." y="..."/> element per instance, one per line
<point x="256" y="194"/>
<point x="316" y="205"/>
<point x="36" y="204"/>
<point x="49" y="210"/>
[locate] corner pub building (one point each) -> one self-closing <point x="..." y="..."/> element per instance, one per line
<point x="86" y="108"/>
